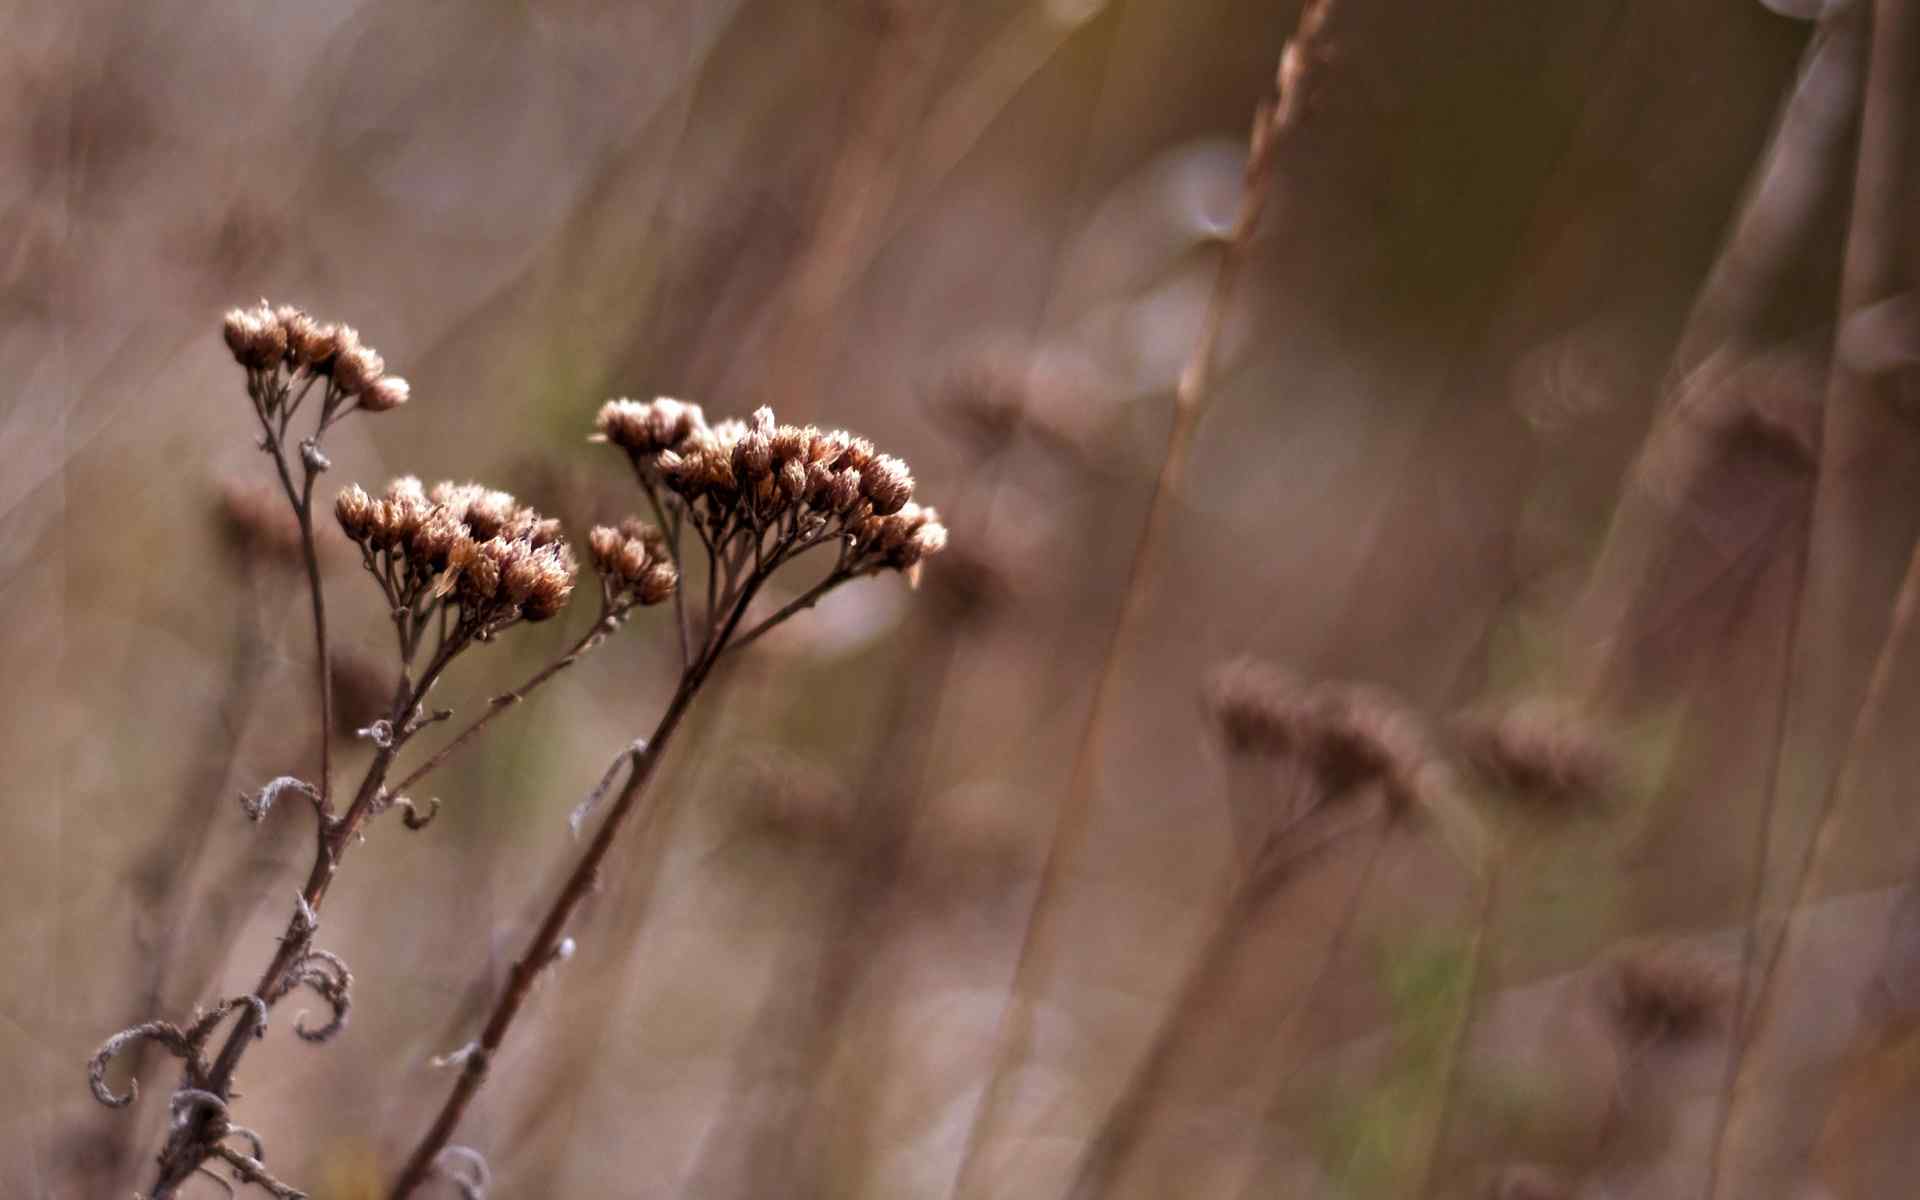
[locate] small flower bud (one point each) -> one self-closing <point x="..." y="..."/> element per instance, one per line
<point x="793" y="480"/>
<point x="845" y="493"/>
<point x="354" y="510"/>
<point x="385" y="394"/>
<point x="604" y="545"/>
<point x="299" y="329"/>
<point x="887" y="483"/>
<point x="552" y="583"/>
<point x="790" y="443"/>
<point x="311" y="345"/>
<point x="631" y="562"/>
<point x="357" y="368"/>
<point x="433" y="542"/>
<point x="255" y="336"/>
<point x="658" y="583"/>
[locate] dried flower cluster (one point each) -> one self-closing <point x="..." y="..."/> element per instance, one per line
<point x="776" y="489"/>
<point x="635" y="563"/>
<point x="756" y="495"/>
<point x="457" y="564"/>
<point x="494" y="560"/>
<point x="1346" y="736"/>
<point x="1543" y="755"/>
<point x="268" y="341"/>
<point x="1667" y="993"/>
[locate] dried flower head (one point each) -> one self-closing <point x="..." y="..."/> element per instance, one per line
<point x="1257" y="708"/>
<point x="790" y="487"/>
<point x="256" y="336"/>
<point x="1667" y="993"/>
<point x="1368" y="735"/>
<point x="647" y="428"/>
<point x="1346" y="736"/>
<point x="355" y="367"/>
<point x="385" y="394"/>
<point x="634" y="564"/>
<point x="1545" y="755"/>
<point x="284" y="346"/>
<point x="496" y="560"/>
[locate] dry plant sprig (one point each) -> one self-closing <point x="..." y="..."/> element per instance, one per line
<point x="1539" y="759"/>
<point x="195" y="1104"/>
<point x="755" y="496"/>
<point x="456" y="567"/>
<point x="1330" y="760"/>
<point x="286" y="354"/>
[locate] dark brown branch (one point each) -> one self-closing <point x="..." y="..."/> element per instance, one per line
<point x="546" y="940"/>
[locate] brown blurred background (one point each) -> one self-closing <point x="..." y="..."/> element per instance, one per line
<point x="1487" y="243"/>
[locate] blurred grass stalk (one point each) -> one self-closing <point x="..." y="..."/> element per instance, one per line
<point x="1863" y="528"/>
<point x="1191" y="398"/>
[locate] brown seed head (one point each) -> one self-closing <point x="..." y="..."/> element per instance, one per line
<point x="1348" y="736"/>
<point x="658" y="583"/>
<point x="255" y="336"/>
<point x="647" y="428"/>
<point x="633" y="561"/>
<point x="845" y="492"/>
<point x="489" y="512"/>
<point x="385" y="394"/>
<point x="1545" y="755"/>
<point x="793" y="481"/>
<point x="603" y="547"/>
<point x="313" y="346"/>
<point x="1667" y="993"/>
<point x="474" y="572"/>
<point x="300" y="329"/>
<point x="433" y="542"/>
<point x="552" y="584"/>
<point x="1367" y="735"/>
<point x="887" y="483"/>
<point x="356" y="368"/>
<point x="1258" y="708"/>
<point x="354" y="510"/>
<point x="791" y="443"/>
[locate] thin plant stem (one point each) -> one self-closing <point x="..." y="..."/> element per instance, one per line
<point x="544" y="945"/>
<point x="587" y="642"/>
<point x="1107" y="1155"/>
<point x="1878" y="258"/>
<point x="805" y="600"/>
<point x="1297" y="1012"/>
<point x="302" y="501"/>
<point x="1452" y="1074"/>
<point x="1764" y="989"/>
<point x="1191" y="398"/>
<point x="185" y="1149"/>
